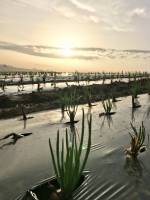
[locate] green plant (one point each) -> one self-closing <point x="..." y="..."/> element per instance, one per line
<point x="63" y="103"/>
<point x="87" y="91"/>
<point x="148" y="86"/>
<point x="135" y="102"/>
<point x="69" y="166"/>
<point x="107" y="105"/>
<point x="135" y="90"/>
<point x="129" y="77"/>
<point x="72" y="106"/>
<point x="114" y="99"/>
<point x="137" y="141"/>
<point x="3" y="85"/>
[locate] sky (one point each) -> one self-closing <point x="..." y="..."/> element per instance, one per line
<point x="76" y="35"/>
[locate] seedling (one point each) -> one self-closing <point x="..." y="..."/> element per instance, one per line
<point x="108" y="105"/>
<point x="67" y="162"/>
<point x="137" y="141"/>
<point x="71" y="107"/>
<point x="135" y="102"/>
<point x="114" y="99"/>
<point x="88" y="95"/>
<point x="63" y="104"/>
<point x="135" y="90"/>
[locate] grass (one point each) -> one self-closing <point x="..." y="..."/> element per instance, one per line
<point x="137" y="141"/>
<point x="68" y="161"/>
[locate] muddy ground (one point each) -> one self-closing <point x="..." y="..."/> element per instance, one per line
<point x="45" y="100"/>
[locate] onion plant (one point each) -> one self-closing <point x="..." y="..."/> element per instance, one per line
<point x="137" y="141"/>
<point x="88" y="95"/>
<point x="32" y="79"/>
<point x="39" y="88"/>
<point x="71" y="106"/>
<point x="107" y="105"/>
<point x="63" y="104"/>
<point x="77" y="77"/>
<point x="103" y="78"/>
<point x="114" y="99"/>
<point x="24" y="116"/>
<point x="69" y="161"/>
<point x="111" y="78"/>
<point x="135" y="90"/>
<point x="129" y="77"/>
<point x="148" y="87"/>
<point x="135" y="102"/>
<point x="44" y="78"/>
<point x="3" y="86"/>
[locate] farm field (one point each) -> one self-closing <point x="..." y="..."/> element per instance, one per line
<point x="112" y="175"/>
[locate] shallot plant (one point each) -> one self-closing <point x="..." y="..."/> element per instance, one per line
<point x="72" y="106"/>
<point x="137" y="141"/>
<point x="107" y="105"/>
<point x="69" y="160"/>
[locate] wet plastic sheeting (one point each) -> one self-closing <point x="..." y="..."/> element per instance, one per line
<point x="28" y="88"/>
<point x="112" y="177"/>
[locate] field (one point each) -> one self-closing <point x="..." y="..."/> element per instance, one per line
<point x="112" y="175"/>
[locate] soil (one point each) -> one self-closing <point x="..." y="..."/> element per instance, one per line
<point x="45" y="100"/>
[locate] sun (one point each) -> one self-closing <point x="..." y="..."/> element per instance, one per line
<point x="66" y="49"/>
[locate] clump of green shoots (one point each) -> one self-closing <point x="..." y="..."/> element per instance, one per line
<point x="107" y="105"/>
<point x="39" y="88"/>
<point x="3" y="86"/>
<point x="129" y="77"/>
<point x="135" y="103"/>
<point x="63" y="104"/>
<point x="103" y="78"/>
<point x="69" y="161"/>
<point x="137" y="141"/>
<point x="114" y="99"/>
<point x="148" y="87"/>
<point x="24" y="116"/>
<point x="135" y="90"/>
<point x="71" y="107"/>
<point x="77" y="77"/>
<point x="88" y="95"/>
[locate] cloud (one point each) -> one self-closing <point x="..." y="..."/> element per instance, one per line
<point x="82" y="6"/>
<point x="112" y="15"/>
<point x="140" y="12"/>
<point x="65" y="11"/>
<point x="89" y="53"/>
<point x="44" y="51"/>
<point x="93" y="18"/>
<point x="117" y="28"/>
<point x="38" y="4"/>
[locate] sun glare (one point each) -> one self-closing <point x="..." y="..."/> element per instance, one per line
<point x="66" y="49"/>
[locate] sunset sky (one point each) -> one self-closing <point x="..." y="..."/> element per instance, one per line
<point x="69" y="35"/>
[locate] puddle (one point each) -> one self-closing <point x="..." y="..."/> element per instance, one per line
<point x="29" y="88"/>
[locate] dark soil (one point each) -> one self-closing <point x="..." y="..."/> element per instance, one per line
<point x="45" y="100"/>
